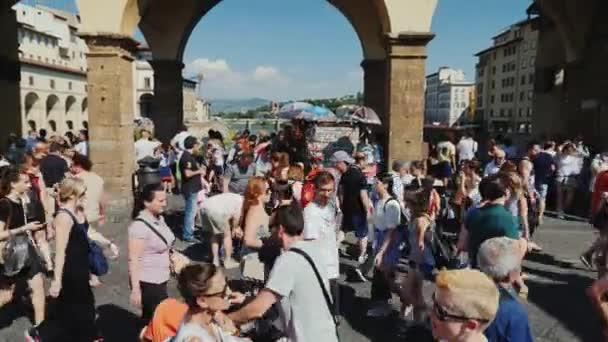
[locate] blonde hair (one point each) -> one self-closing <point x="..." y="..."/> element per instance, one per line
<point x="295" y="173"/>
<point x="472" y="293"/>
<point x="71" y="187"/>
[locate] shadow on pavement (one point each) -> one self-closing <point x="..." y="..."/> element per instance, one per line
<point x="564" y="298"/>
<point x="117" y="324"/>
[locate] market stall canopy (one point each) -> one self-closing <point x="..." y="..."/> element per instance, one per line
<point x="366" y="115"/>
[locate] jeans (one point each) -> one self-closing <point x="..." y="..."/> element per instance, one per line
<point x="189" y="216"/>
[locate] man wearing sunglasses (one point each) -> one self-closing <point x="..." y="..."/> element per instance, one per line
<point x="493" y="167"/>
<point x="464" y="304"/>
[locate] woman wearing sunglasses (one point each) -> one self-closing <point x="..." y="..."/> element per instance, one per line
<point x="207" y="294"/>
<point x="464" y="305"/>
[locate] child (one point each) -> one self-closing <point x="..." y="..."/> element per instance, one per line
<point x="164" y="153"/>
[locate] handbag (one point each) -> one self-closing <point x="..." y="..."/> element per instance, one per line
<point x="177" y="259"/>
<point x="98" y="263"/>
<point x="17" y="250"/>
<point x="328" y="300"/>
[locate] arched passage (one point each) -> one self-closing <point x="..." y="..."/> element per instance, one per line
<point x="71" y="112"/>
<point x="31" y="104"/>
<point x="53" y="112"/>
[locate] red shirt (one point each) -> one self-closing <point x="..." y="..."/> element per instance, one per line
<point x="601" y="186"/>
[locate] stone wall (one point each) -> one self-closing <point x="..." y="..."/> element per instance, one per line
<point x="329" y="138"/>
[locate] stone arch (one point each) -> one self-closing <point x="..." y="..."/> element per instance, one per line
<point x="145" y="105"/>
<point x="84" y="107"/>
<point x="369" y="18"/>
<point x="52" y="126"/>
<point x="52" y="105"/>
<point x="30" y="103"/>
<point x="70" y="105"/>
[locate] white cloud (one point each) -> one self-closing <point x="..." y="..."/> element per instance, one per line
<point x="222" y="80"/>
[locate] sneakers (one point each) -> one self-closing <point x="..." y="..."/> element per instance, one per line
<point x="360" y="275"/>
<point x="231" y="263"/>
<point x="586" y="260"/>
<point x="31" y="335"/>
<point x="381" y="309"/>
<point x="362" y="259"/>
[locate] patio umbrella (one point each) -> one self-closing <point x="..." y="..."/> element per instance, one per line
<point x="294" y="107"/>
<point x="316" y="114"/>
<point x="366" y="115"/>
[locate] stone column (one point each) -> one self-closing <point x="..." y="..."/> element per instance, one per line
<point x="405" y="95"/>
<point x="10" y="74"/>
<point x="168" y="101"/>
<point x="374" y="86"/>
<point x="110" y="98"/>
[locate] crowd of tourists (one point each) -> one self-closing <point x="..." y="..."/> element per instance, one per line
<point x="281" y="216"/>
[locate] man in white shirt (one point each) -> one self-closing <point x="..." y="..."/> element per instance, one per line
<point x="467" y="147"/>
<point x="320" y="225"/>
<point x="493" y="167"/>
<point x="144" y="147"/>
<point x="304" y="311"/>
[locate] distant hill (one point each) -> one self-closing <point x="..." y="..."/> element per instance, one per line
<point x="236" y="105"/>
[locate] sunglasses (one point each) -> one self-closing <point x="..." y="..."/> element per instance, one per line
<point x="222" y="294"/>
<point x="443" y="315"/>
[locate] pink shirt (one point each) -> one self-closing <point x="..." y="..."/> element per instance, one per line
<point x="154" y="260"/>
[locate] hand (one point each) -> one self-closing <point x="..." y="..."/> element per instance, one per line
<point x="33" y="226"/>
<point x="421" y="245"/>
<point x="55" y="289"/>
<point x="378" y="260"/>
<point x="605" y="195"/>
<point x="135" y="298"/>
<point x="237" y="233"/>
<point x="115" y="251"/>
<point x="225" y="323"/>
<point x="236" y="298"/>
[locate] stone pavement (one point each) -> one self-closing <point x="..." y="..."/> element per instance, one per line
<point x="558" y="308"/>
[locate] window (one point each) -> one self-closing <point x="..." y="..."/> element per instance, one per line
<point x="70" y="87"/>
<point x="30" y="80"/>
<point x="86" y="88"/>
<point x="530" y="95"/>
<point x="147" y="83"/>
<point x="493" y="85"/>
<point x="523" y="80"/>
<point x="73" y="54"/>
<point x="525" y="46"/>
<point x="492" y="99"/>
<point x="531" y="78"/>
<point x="529" y="112"/>
<point x="52" y="84"/>
<point x="46" y="41"/>
<point x="533" y="45"/>
<point x="522" y="96"/>
<point x="492" y="112"/>
<point x="524" y="64"/>
<point x="502" y="113"/>
<point x="70" y="124"/>
<point x="531" y="63"/>
<point x="510" y="112"/>
<point x="521" y="111"/>
<point x="494" y="55"/>
<point x="493" y="70"/>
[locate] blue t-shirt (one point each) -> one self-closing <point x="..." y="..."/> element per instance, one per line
<point x="511" y="322"/>
<point x="542" y="168"/>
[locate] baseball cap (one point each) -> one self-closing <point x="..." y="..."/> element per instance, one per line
<point x="341" y="156"/>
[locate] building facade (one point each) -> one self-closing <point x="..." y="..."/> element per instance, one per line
<point x="54" y="74"/>
<point x="449" y="98"/>
<point x="505" y="76"/>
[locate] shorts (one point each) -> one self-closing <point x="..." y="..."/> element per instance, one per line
<point x="357" y="224"/>
<point x="543" y="190"/>
<point x="33" y="265"/>
<point x="568" y="182"/>
<point x="215" y="225"/>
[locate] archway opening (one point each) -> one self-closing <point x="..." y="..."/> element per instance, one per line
<point x="32" y="125"/>
<point x="53" y="125"/>
<point x="31" y="100"/>
<point x="52" y="103"/>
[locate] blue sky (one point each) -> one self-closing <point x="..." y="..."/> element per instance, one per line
<point x="288" y="49"/>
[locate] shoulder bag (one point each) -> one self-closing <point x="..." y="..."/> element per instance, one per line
<point x="98" y="263"/>
<point x="17" y="249"/>
<point x="326" y="295"/>
<point x="177" y="260"/>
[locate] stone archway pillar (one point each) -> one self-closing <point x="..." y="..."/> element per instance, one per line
<point x="168" y="100"/>
<point x="10" y="73"/>
<point x="374" y="86"/>
<point x="110" y="101"/>
<point x="405" y="95"/>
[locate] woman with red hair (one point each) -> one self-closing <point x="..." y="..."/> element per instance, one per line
<point x="254" y="221"/>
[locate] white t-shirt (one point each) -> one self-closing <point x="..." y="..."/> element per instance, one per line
<point x="320" y="225"/>
<point x="491" y="169"/>
<point x="387" y="213"/>
<point x="568" y="165"/>
<point x="224" y="206"/>
<point x="82" y="148"/>
<point x="145" y="148"/>
<point x="304" y="312"/>
<point x="466" y="149"/>
<point x="449" y="146"/>
<point x="178" y="140"/>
